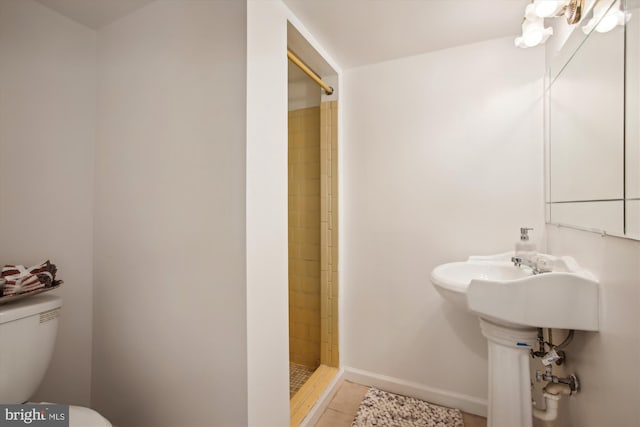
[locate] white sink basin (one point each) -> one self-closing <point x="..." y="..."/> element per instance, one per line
<point x="512" y="303"/>
<point x="496" y="290"/>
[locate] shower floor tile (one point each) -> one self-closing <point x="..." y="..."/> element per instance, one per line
<point x="298" y="375"/>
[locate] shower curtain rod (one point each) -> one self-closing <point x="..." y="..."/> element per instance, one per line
<point x="308" y="71"/>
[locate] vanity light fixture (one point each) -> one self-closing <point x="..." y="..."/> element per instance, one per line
<point x="606" y="20"/>
<point x="533" y="31"/>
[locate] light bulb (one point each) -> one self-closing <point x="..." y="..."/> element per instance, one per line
<point x="607" y="23"/>
<point x="605" y="20"/>
<point x="533" y="33"/>
<point x="546" y="8"/>
<point x="532" y="38"/>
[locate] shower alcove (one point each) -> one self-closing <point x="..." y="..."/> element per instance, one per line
<point x="312" y="225"/>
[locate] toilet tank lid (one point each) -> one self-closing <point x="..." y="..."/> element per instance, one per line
<point x="29" y="307"/>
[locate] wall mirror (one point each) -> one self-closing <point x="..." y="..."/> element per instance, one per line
<point x="592" y="138"/>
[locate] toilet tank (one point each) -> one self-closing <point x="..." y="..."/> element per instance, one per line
<point x="28" y="331"/>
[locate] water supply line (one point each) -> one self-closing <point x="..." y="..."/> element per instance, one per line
<point x="566" y="341"/>
<point x="542" y="349"/>
<point x="571" y="381"/>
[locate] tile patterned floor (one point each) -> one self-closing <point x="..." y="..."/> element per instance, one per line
<point x="344" y="406"/>
<point x="298" y="375"/>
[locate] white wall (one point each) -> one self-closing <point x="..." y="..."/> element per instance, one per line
<point x="607" y="361"/>
<point x="47" y="136"/>
<point x="170" y="299"/>
<point x="267" y="241"/>
<point x="303" y="93"/>
<point x="443" y="157"/>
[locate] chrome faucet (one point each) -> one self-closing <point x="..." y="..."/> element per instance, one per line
<point x="535" y="265"/>
<point x="519" y="262"/>
<point x="526" y="254"/>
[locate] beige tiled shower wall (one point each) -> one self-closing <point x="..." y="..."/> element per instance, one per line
<point x="304" y="236"/>
<point x="329" y="232"/>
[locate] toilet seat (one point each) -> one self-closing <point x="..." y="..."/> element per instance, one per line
<point x="79" y="416"/>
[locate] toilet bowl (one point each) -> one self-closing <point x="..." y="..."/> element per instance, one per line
<point x="28" y="330"/>
<point x="79" y="416"/>
<point x="84" y="417"/>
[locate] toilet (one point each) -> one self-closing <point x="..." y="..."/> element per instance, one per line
<point x="28" y="331"/>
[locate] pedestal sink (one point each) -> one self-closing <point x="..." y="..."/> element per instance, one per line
<point x="512" y="304"/>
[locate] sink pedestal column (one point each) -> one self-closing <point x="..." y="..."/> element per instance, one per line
<point x="509" y="378"/>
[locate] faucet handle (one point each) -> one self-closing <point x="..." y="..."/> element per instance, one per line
<point x="544" y="264"/>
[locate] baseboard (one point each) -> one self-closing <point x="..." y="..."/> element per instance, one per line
<point x="470" y="404"/>
<point x="323" y="401"/>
